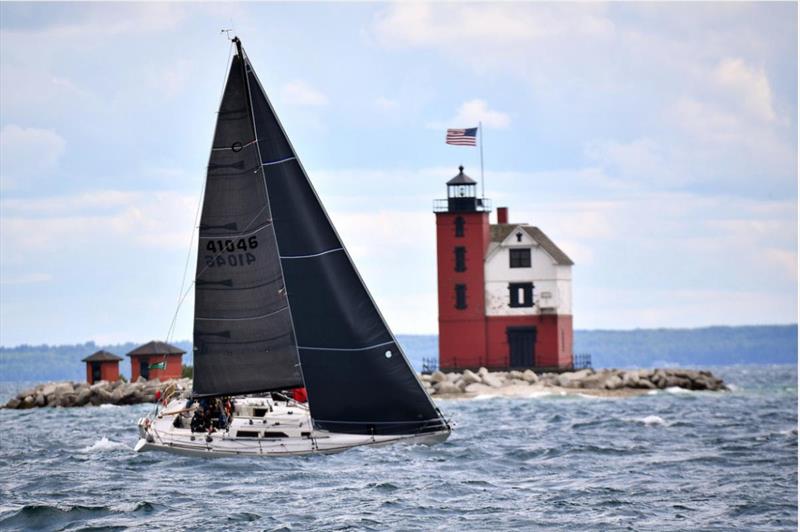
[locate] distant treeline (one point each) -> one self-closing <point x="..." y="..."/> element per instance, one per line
<point x="707" y="346"/>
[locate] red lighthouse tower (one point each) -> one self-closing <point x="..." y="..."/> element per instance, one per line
<point x="505" y="289"/>
<point x="462" y="237"/>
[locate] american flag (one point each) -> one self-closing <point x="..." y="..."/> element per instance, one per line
<point x="462" y="137"/>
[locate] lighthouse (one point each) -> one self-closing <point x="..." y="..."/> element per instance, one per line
<point x="505" y="289"/>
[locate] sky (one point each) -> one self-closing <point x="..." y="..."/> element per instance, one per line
<point x="655" y="143"/>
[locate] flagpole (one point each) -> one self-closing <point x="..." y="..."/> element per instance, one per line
<point x="480" y="130"/>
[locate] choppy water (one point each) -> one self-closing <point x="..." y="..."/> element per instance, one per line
<point x="690" y="460"/>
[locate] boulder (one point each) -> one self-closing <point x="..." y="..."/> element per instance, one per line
<point x="475" y="387"/>
<point x="438" y="376"/>
<point x="28" y="402"/>
<point x="48" y="389"/>
<point x="515" y="374"/>
<point x="453" y="377"/>
<point x="64" y="387"/>
<point x="13" y="403"/>
<point x="67" y="399"/>
<point x="492" y="380"/>
<point x="482" y="371"/>
<point x="40" y="400"/>
<point x="470" y="377"/>
<point x="530" y="376"/>
<point x="425" y="377"/>
<point x="614" y="382"/>
<point x="446" y="387"/>
<point x="83" y="396"/>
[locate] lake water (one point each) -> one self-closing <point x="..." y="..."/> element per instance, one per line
<point x="691" y="460"/>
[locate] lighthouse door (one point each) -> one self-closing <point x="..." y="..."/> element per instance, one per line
<point x="521" y="346"/>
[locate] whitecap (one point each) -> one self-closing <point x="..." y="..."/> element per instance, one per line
<point x="652" y="392"/>
<point x="107" y="405"/>
<point x="484" y="396"/>
<point x="677" y="390"/>
<point x="653" y="420"/>
<point x="104" y="444"/>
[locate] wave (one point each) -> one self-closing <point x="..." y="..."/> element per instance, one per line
<point x="652" y="420"/>
<point x="677" y="390"/>
<point x="104" y="444"/>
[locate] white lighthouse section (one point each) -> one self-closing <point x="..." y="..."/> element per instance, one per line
<point x="550" y="273"/>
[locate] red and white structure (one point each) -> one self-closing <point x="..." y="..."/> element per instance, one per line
<point x="505" y="289"/>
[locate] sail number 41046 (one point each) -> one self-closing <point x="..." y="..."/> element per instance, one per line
<point x="241" y="244"/>
<point x="229" y="248"/>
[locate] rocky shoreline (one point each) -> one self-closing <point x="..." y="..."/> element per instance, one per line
<point x="71" y="394"/>
<point x="466" y="384"/>
<point x="605" y="382"/>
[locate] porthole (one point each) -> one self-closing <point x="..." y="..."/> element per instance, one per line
<point x="388" y="354"/>
<point x="236" y="147"/>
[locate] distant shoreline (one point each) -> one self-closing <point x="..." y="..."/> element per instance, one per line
<point x="636" y="348"/>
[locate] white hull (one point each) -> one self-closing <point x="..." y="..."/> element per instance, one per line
<point x="260" y="427"/>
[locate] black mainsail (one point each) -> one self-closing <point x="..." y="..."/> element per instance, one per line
<point x="279" y="303"/>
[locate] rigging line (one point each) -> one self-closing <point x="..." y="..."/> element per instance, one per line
<point x="197" y="212"/>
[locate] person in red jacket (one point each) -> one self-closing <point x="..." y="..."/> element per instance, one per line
<point x="300" y="395"/>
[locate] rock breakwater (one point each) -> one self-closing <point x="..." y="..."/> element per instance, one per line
<point x="439" y="384"/>
<point x="595" y="382"/>
<point x="70" y="394"/>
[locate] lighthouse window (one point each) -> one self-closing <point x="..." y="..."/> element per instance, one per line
<point x="461" y="259"/>
<point x="520" y="258"/>
<point x="459" y="226"/>
<point x="461" y="296"/>
<point x="520" y="295"/>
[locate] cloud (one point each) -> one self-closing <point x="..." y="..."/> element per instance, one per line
<point x="750" y="86"/>
<point x="470" y="113"/>
<point x="451" y="26"/>
<point x="147" y="220"/>
<point x="301" y="93"/>
<point x="27" y="152"/>
<point x="26" y="278"/>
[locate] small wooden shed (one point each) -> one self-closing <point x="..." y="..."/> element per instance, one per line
<point x="102" y="366"/>
<point x="156" y="353"/>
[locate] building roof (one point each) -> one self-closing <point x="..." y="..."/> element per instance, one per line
<point x="102" y="356"/>
<point x="461" y="178"/>
<point x="499" y="232"/>
<point x="156" y="348"/>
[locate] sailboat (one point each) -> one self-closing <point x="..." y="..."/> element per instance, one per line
<point x="279" y="306"/>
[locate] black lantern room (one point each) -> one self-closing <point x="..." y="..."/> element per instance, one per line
<point x="461" y="196"/>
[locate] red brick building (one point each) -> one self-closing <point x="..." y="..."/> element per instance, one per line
<point x="505" y="289"/>
<point x="102" y="366"/>
<point x="154" y="353"/>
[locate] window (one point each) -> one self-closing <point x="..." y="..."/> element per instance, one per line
<point x="459" y="226"/>
<point x="461" y="259"/>
<point x="461" y="296"/>
<point x="520" y="295"/>
<point x="519" y="237"/>
<point x="519" y="258"/>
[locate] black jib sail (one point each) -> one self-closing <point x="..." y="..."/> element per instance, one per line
<point x="357" y="377"/>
